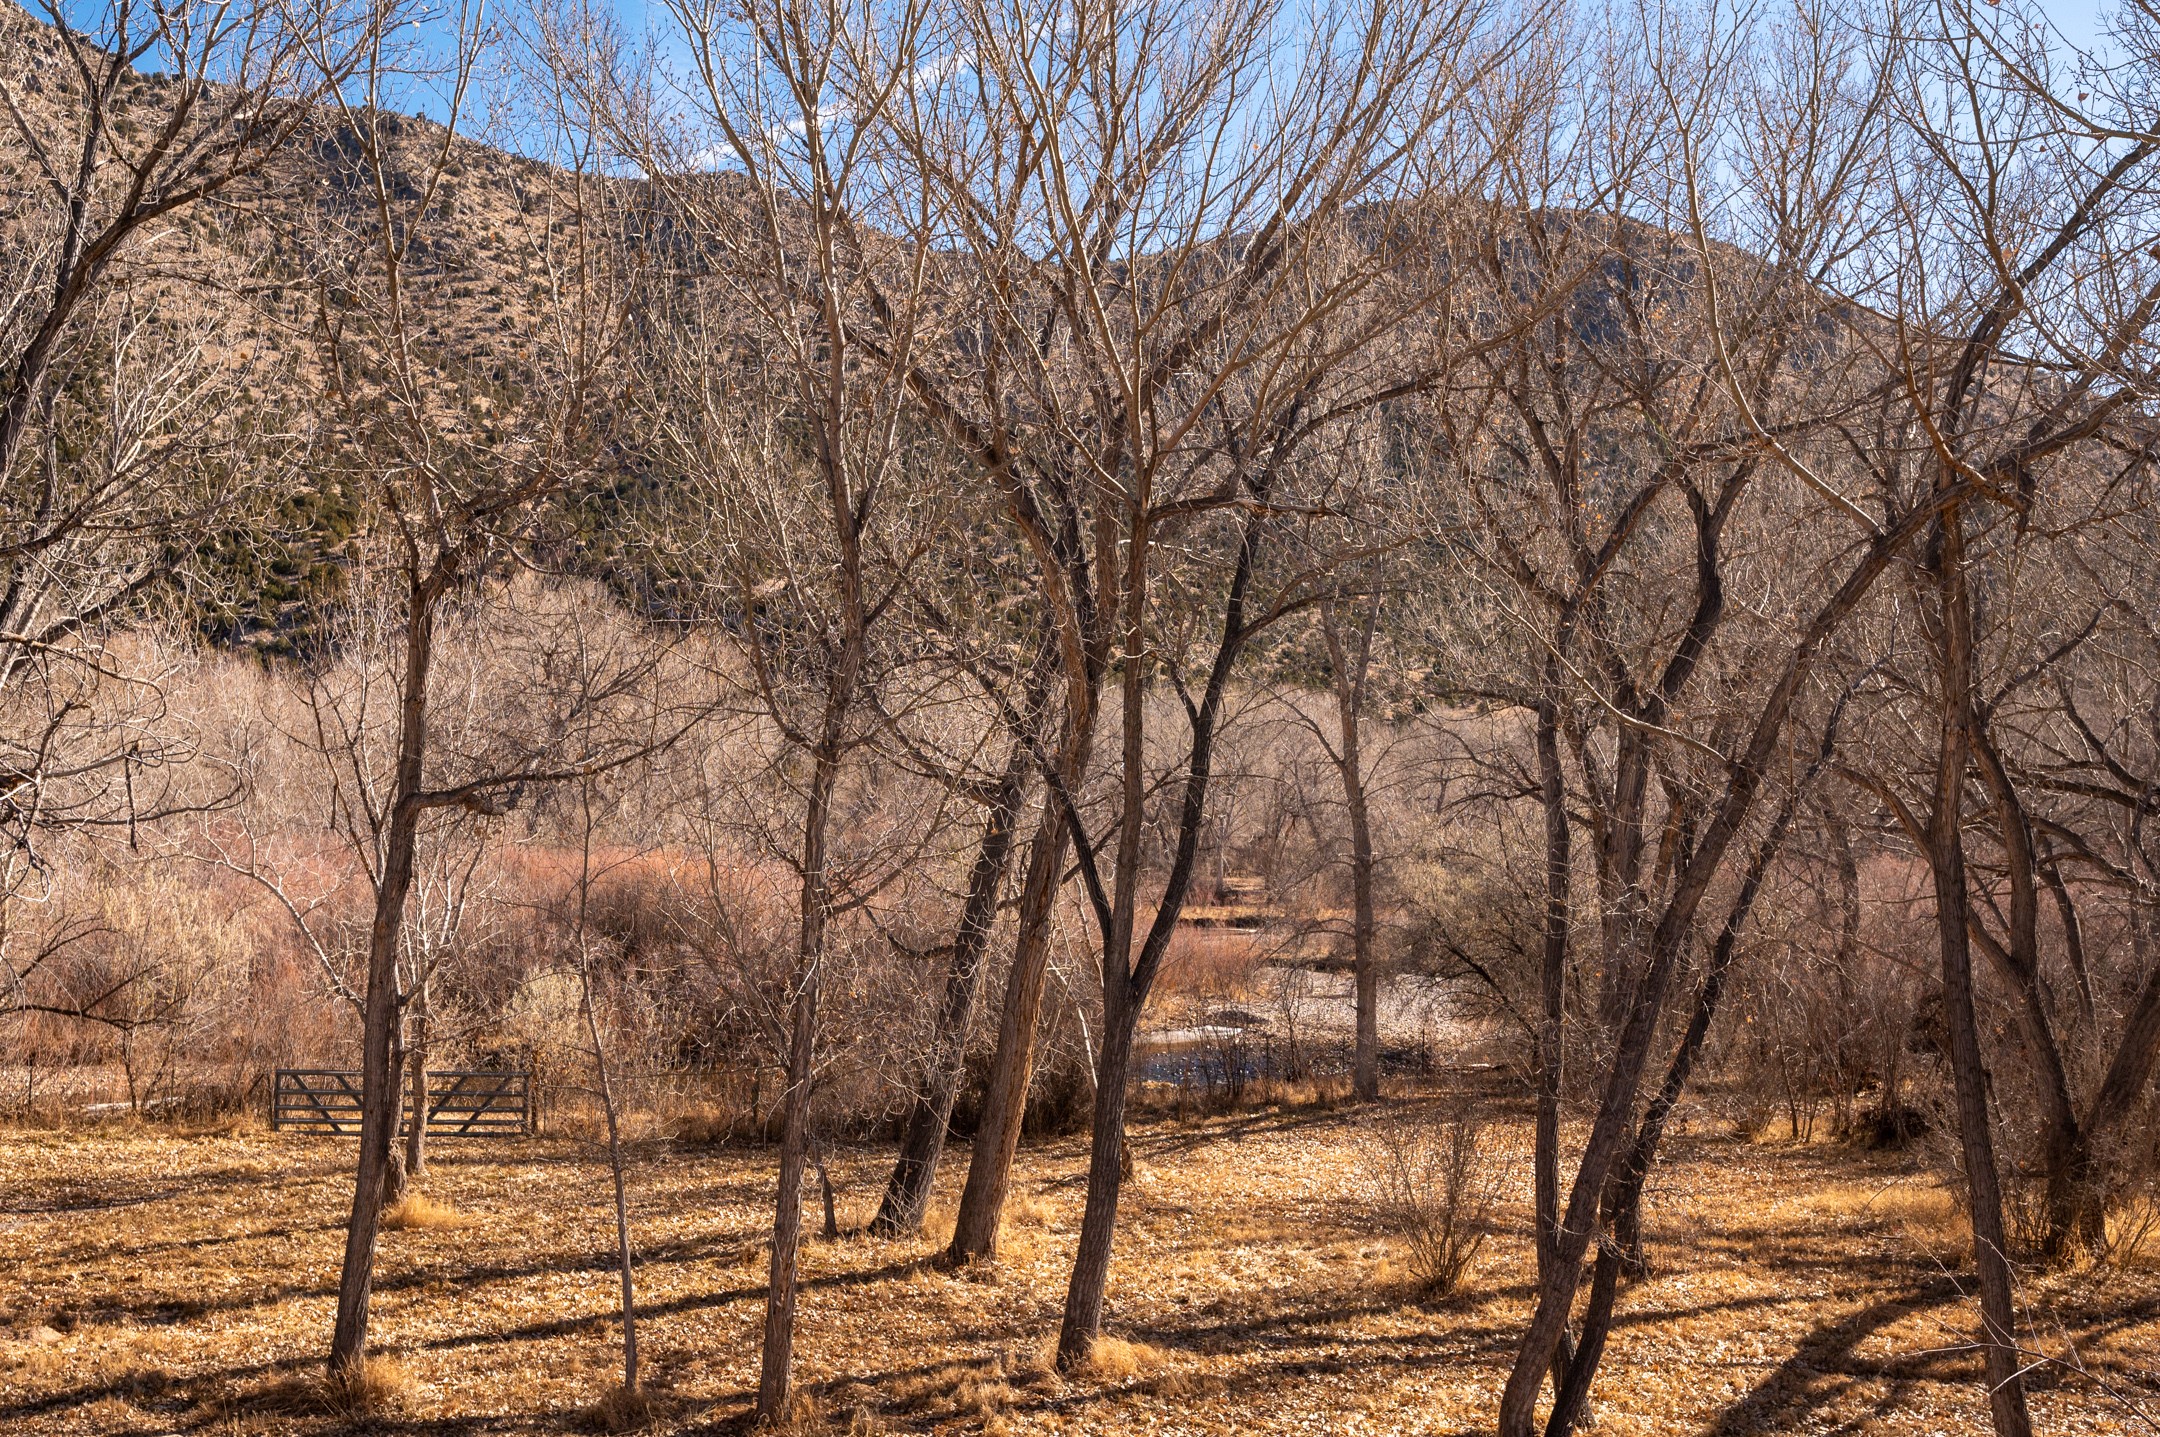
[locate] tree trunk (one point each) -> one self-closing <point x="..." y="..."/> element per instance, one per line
<point x="1348" y="669"/>
<point x="379" y="1085"/>
<point x="922" y="1139"/>
<point x="1946" y="857"/>
<point x="396" y="1175"/>
<point x="1552" y="977"/>
<point x="1098" y="1222"/>
<point x="623" y="1257"/>
<point x="379" y="1075"/>
<point x="997" y="1136"/>
<point x="1365" y="1067"/>
<point x="416" y="1126"/>
<point x="779" y="1343"/>
<point x="2019" y="959"/>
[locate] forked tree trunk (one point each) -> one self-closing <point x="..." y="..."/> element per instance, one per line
<point x="1623" y="1255"/>
<point x="922" y="1137"/>
<point x="1128" y="977"/>
<point x="1610" y="1130"/>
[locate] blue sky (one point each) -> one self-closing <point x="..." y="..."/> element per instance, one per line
<point x="2079" y="20"/>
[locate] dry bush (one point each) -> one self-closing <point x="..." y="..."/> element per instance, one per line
<point x="417" y="1212"/>
<point x="1438" y="1184"/>
<point x="701" y="1125"/>
<point x="544" y="1023"/>
<point x="1215" y="964"/>
<point x="163" y="970"/>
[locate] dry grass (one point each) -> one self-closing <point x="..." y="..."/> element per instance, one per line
<point x="2133" y="1234"/>
<point x="159" y="1284"/>
<point x="620" y="1409"/>
<point x="417" y="1212"/>
<point x="1119" y="1360"/>
<point x="1214" y="963"/>
<point x="1919" y="1211"/>
<point x="1025" y="1210"/>
<point x="373" y="1385"/>
<point x="805" y="1416"/>
<point x="376" y="1386"/>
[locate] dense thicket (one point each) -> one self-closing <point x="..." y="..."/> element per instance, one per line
<point x="897" y="553"/>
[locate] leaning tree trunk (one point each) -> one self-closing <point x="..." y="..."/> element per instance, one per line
<point x="1012" y="1066"/>
<point x="922" y="1137"/>
<point x="1623" y="1255"/>
<point x="378" y="1099"/>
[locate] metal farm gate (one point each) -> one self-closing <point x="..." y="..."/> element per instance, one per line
<point x="483" y="1104"/>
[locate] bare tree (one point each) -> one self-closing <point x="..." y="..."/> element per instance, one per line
<point x="1156" y="322"/>
<point x="2016" y="357"/>
<point x="923" y="1132"/>
<point x="451" y="495"/>
<point x="1661" y="721"/>
<point x="788" y="427"/>
<point x="122" y="443"/>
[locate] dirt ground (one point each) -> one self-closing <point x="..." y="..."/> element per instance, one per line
<point x="155" y="1283"/>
